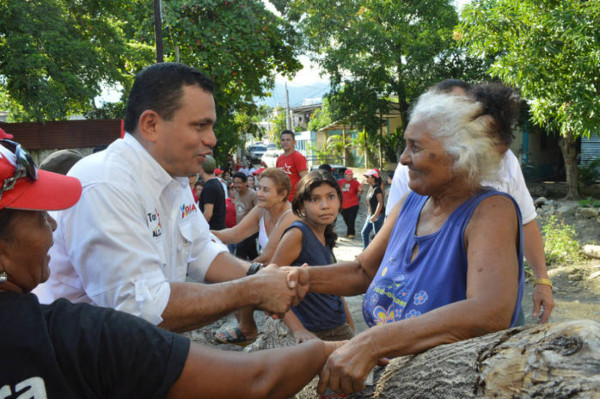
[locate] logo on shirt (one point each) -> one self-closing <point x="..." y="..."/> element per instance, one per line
<point x="286" y="168"/>
<point x="187" y="210"/>
<point x="154" y="223"/>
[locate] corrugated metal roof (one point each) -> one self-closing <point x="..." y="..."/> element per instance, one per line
<point x="590" y="149"/>
<point x="64" y="134"/>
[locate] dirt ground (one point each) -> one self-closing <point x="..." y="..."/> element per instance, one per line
<point x="576" y="286"/>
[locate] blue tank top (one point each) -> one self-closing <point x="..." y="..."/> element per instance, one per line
<point x="317" y="312"/>
<point x="437" y="276"/>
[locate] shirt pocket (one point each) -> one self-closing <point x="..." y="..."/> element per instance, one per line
<point x="188" y="235"/>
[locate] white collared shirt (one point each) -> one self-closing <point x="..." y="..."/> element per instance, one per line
<point x="134" y="230"/>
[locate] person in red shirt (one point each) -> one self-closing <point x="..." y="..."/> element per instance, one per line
<point x="351" y="191"/>
<point x="291" y="161"/>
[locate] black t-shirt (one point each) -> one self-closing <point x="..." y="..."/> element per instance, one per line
<point x="213" y="193"/>
<point x="372" y="197"/>
<point x="66" y="350"/>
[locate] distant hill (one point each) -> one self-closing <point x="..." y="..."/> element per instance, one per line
<point x="298" y="94"/>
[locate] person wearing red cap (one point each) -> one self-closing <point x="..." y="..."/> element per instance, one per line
<point x="291" y="161"/>
<point x="4" y="135"/>
<point x="137" y="235"/>
<point x="351" y="191"/>
<point x="376" y="215"/>
<point x="66" y="350"/>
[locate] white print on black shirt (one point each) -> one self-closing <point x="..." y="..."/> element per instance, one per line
<point x="31" y="388"/>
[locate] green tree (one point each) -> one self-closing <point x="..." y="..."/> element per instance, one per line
<point x="279" y="124"/>
<point x="550" y="50"/>
<point x="240" y="44"/>
<point x="321" y="117"/>
<point x="56" y="54"/>
<point x="394" y="49"/>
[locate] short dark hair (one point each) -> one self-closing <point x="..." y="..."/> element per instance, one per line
<point x="288" y="132"/>
<point x="241" y="175"/>
<point x="159" y="87"/>
<point x="502" y="103"/>
<point x="326" y="167"/>
<point x="447" y="85"/>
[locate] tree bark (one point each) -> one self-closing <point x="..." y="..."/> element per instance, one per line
<point x="559" y="360"/>
<point x="569" y="152"/>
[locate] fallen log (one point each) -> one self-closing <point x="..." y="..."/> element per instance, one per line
<point x="559" y="360"/>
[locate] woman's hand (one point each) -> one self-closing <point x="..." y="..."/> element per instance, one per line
<point x="348" y="367"/>
<point x="303" y="335"/>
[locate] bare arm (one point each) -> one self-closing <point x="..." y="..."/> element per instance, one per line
<point x="273" y="373"/>
<point x="379" y="207"/>
<point x="534" y="253"/>
<point x="244" y="229"/>
<point x="286" y="253"/>
<point x="193" y="305"/>
<point x="208" y="211"/>
<point x="352" y="277"/>
<point x="492" y="286"/>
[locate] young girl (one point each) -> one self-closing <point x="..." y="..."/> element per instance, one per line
<point x="310" y="240"/>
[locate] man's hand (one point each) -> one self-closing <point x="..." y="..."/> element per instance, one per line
<point x="542" y="298"/>
<point x="298" y="276"/>
<point x="276" y="293"/>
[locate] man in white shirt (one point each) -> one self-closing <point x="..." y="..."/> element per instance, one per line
<point x="136" y="233"/>
<point x="511" y="181"/>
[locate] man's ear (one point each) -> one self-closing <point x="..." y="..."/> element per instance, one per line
<point x="149" y="124"/>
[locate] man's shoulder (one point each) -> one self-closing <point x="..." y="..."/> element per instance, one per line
<point x="298" y="155"/>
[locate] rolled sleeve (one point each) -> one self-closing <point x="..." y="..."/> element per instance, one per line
<point x="205" y="252"/>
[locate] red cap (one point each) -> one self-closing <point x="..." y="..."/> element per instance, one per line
<point x="218" y="171"/>
<point x="49" y="192"/>
<point x="4" y="135"/>
<point x="258" y="171"/>
<point x="372" y="172"/>
<point x="348" y="172"/>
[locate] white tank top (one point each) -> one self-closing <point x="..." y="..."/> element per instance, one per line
<point x="263" y="236"/>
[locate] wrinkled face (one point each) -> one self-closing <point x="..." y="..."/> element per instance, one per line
<point x="183" y="142"/>
<point x="429" y="166"/>
<point x="287" y="142"/>
<point x="323" y="206"/>
<point x="240" y="185"/>
<point x="267" y="195"/>
<point x="25" y="256"/>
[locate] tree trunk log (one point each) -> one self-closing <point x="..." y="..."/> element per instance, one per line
<point x="569" y="152"/>
<point x="559" y="360"/>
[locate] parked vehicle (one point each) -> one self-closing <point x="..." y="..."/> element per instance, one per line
<point x="269" y="158"/>
<point x="255" y="152"/>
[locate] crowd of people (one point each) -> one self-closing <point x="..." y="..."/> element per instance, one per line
<point x="149" y="238"/>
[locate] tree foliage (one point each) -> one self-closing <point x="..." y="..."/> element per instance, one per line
<point x="56" y="54"/>
<point x="387" y="47"/>
<point x="550" y="50"/>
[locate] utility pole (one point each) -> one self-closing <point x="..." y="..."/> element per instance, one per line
<point x="158" y="31"/>
<point x="288" y="123"/>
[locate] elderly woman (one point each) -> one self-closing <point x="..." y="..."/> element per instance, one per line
<point x="271" y="216"/>
<point x="66" y="350"/>
<point x="447" y="263"/>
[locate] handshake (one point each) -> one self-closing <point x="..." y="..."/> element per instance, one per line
<point x="277" y="289"/>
